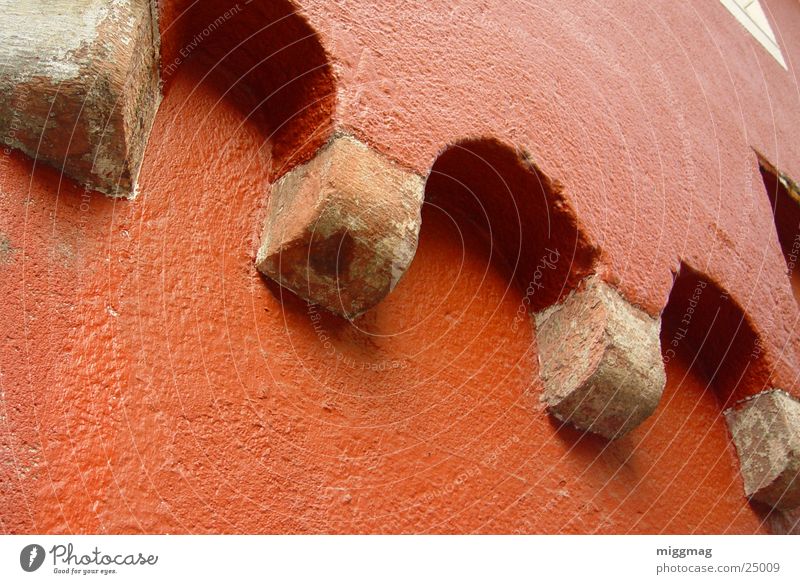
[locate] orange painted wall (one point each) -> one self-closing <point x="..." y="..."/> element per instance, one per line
<point x="153" y="382"/>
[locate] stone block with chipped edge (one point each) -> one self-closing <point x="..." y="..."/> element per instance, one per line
<point x="79" y="87"/>
<point x="342" y="229"/>
<point x="600" y="360"/>
<point x="766" y="431"/>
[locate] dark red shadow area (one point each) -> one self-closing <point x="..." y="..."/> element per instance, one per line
<point x="786" y="212"/>
<point x="264" y="57"/>
<point x="530" y="228"/>
<point x="711" y="332"/>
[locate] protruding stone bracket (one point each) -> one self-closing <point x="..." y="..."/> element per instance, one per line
<point x="600" y="360"/>
<point x="766" y="432"/>
<point x="342" y="229"/>
<point x="80" y="87"/>
<point x="784" y="180"/>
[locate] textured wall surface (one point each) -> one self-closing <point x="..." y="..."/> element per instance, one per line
<point x="151" y="380"/>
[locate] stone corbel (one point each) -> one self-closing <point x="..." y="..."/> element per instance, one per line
<point x="766" y="432"/>
<point x="80" y="86"/>
<point x="342" y="229"/>
<point x="600" y="360"/>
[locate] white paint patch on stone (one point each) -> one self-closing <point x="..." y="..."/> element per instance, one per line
<point x="27" y="34"/>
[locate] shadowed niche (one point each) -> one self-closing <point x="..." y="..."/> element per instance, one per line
<point x="710" y="331"/>
<point x="263" y="57"/>
<point x="530" y="228"/>
<point x="784" y="198"/>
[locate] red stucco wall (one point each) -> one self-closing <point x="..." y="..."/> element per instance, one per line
<point x="153" y="382"/>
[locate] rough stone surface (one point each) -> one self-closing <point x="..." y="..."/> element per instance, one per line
<point x="766" y="431"/>
<point x="785" y="522"/>
<point x="342" y="229"/>
<point x="600" y="360"/>
<point x="80" y="87"/>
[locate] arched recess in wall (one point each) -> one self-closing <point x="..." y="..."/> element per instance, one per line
<point x="599" y="360"/>
<point x="784" y="198"/>
<point x="263" y="57"/>
<point x="530" y="228"/>
<point x="711" y="332"/>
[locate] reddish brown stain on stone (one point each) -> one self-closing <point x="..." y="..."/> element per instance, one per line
<point x="332" y="256"/>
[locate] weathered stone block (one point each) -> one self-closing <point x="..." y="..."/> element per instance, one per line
<point x="80" y="87"/>
<point x="600" y="360"/>
<point x="342" y="229"/>
<point x="766" y="432"/>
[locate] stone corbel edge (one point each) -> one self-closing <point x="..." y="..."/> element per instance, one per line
<point x="342" y="229"/>
<point x="599" y="360"/>
<point x="766" y="432"/>
<point x="81" y="86"/>
<point x="783" y="179"/>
